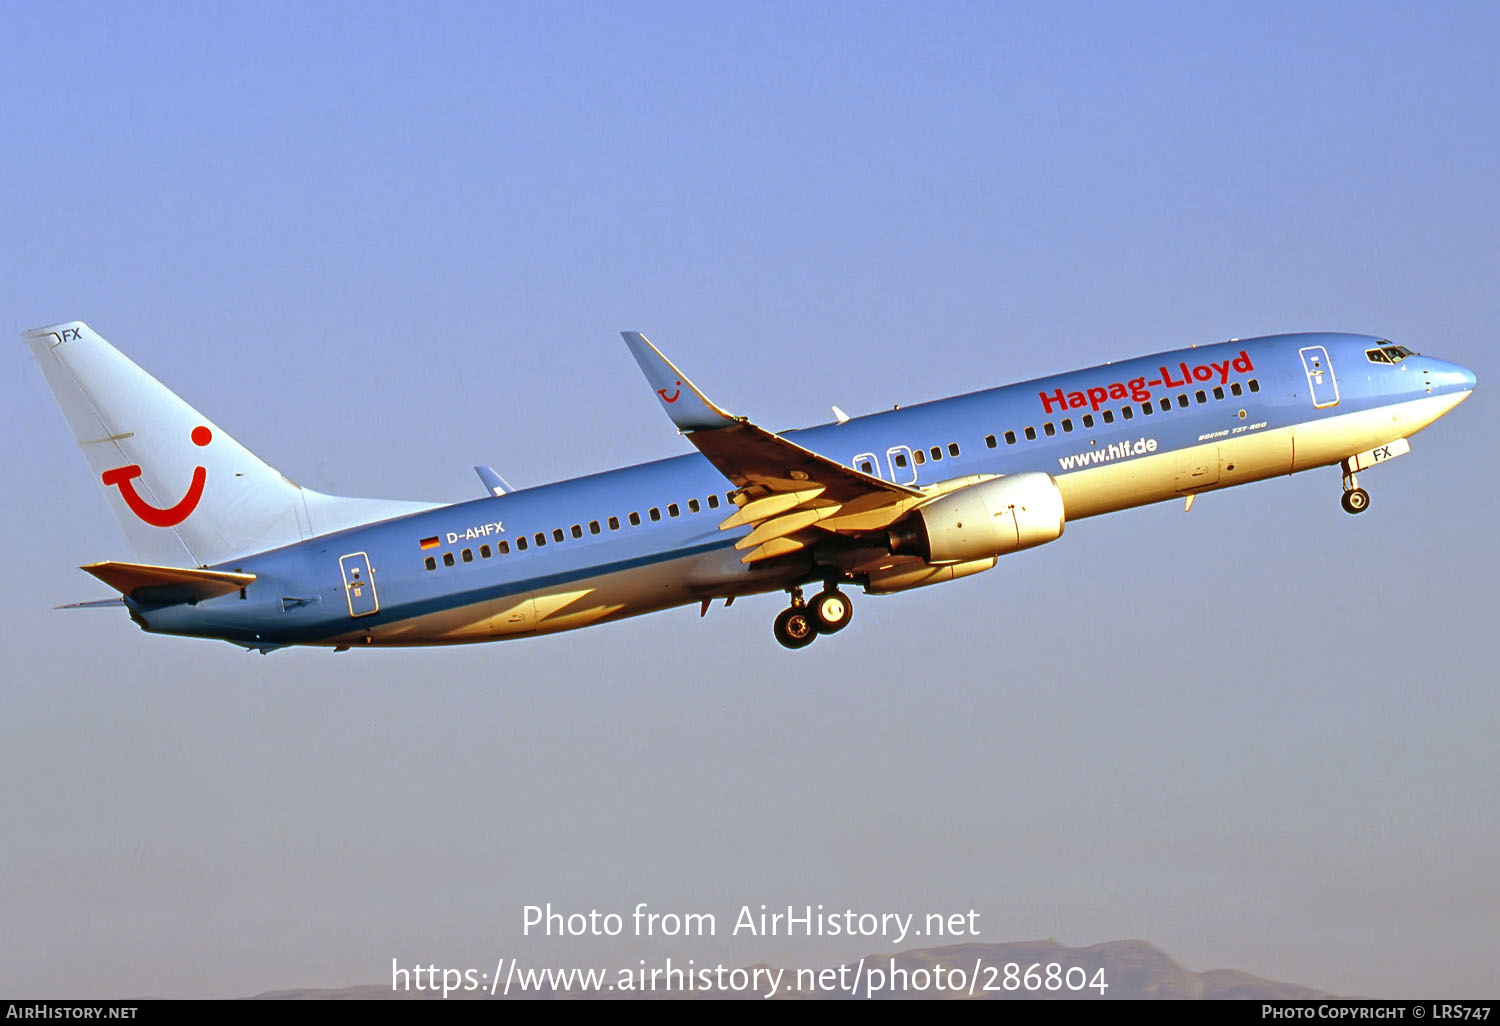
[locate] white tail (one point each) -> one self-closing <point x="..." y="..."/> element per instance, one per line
<point x="185" y="492"/>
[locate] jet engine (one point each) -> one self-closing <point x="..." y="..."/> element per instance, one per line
<point x="984" y="520"/>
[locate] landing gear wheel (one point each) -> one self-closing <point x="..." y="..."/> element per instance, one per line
<point x="794" y="628"/>
<point x="1355" y="500"/>
<point x="831" y="610"/>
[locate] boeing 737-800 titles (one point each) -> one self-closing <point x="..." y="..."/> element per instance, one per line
<point x="229" y="548"/>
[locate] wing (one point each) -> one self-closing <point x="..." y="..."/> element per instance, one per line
<point x="788" y="494"/>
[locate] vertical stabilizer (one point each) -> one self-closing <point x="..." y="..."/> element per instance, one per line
<point x="184" y="491"/>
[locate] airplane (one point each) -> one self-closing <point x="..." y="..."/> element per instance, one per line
<point x="917" y="495"/>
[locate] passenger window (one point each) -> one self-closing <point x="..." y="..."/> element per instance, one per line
<point x="540" y="538"/>
<point x="557" y="534"/>
<point x="635" y="520"/>
<point x="577" y="531"/>
<point x="431" y="563"/>
<point x="521" y="543"/>
<point x="1127" y="412"/>
<point x="502" y="547"/>
<point x="468" y="555"/>
<point x="918" y="457"/>
<point x="1254" y="385"/>
<point x="989" y="440"/>
<point x="937" y="453"/>
<point x="1182" y="400"/>
<point x="614" y="523"/>
<point x="713" y="501"/>
<point x="1049" y="429"/>
<point x="1010" y="438"/>
<point x="1109" y="416"/>
<point x="1088" y="420"/>
<point x="864" y="468"/>
<point x="1166" y="404"/>
<point x="1031" y="434"/>
<point x="672" y="509"/>
<point x="1067" y="424"/>
<point x="447" y="559"/>
<point x="900" y="459"/>
<point x="693" y="506"/>
<point x="655" y="513"/>
<point x="1236" y="389"/>
<point x="1218" y="391"/>
<point x="1200" y="396"/>
<point x="484" y="552"/>
<point x="1147" y="409"/>
<point x="952" y="448"/>
<point x="593" y="527"/>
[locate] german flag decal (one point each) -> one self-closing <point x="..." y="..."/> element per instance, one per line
<point x="430" y="543"/>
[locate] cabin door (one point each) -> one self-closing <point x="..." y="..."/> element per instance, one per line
<point x="1320" y="380"/>
<point x="359" y="584"/>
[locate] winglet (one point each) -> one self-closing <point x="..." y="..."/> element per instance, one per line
<point x="689" y="408"/>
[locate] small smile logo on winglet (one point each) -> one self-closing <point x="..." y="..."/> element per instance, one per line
<point x="670" y="398"/>
<point x="156" y="516"/>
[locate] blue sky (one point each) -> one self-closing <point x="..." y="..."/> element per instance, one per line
<point x="382" y="243"/>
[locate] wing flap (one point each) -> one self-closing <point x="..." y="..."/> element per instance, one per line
<point x="768" y="506"/>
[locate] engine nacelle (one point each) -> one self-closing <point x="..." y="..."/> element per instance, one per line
<point x="885" y="582"/>
<point x="992" y="518"/>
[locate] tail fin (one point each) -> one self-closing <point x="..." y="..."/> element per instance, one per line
<point x="185" y="492"/>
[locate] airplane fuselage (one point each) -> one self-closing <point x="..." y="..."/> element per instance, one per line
<point x="647" y="537"/>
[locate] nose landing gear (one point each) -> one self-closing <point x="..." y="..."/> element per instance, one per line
<point x="799" y="624"/>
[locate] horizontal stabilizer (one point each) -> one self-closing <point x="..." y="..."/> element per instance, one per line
<point x="167" y="585"/>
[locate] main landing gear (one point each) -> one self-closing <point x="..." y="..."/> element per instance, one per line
<point x="799" y="624"/>
<point x="1356" y="499"/>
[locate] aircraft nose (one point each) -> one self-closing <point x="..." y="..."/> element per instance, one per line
<point x="1457" y="377"/>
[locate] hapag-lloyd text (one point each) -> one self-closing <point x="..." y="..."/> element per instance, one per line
<point x="1139" y="389"/>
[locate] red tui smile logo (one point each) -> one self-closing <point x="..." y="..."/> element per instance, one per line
<point x="670" y="398"/>
<point x="155" y="515"/>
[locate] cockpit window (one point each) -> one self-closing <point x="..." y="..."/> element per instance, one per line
<point x="1388" y="354"/>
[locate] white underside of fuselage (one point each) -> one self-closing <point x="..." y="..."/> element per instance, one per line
<point x="1242" y="453"/>
<point x="581" y="603"/>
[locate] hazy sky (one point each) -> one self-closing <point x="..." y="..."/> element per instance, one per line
<point x="380" y="243"/>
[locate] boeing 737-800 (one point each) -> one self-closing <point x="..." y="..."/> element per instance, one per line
<point x="229" y="548"/>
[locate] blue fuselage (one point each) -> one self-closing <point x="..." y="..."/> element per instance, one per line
<point x="646" y="537"/>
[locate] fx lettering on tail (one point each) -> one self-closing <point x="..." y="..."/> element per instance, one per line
<point x="223" y="546"/>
